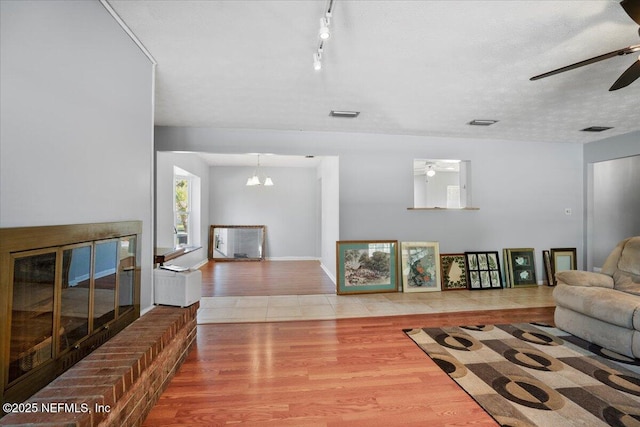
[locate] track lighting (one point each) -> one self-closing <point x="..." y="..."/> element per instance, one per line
<point x="323" y="35"/>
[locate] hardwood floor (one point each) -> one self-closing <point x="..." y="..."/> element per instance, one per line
<point x="348" y="372"/>
<point x="265" y="278"/>
<point x="340" y="372"/>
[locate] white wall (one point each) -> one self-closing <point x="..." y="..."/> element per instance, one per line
<point x="521" y="188"/>
<point x="616" y="204"/>
<point x="288" y="209"/>
<point x="165" y="161"/>
<point x="612" y="191"/>
<point x="521" y="202"/>
<point x="329" y="175"/>
<point x="76" y="120"/>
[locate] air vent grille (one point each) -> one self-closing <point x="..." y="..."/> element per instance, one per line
<point x="596" y="129"/>
<point x="482" y="122"/>
<point x="345" y="114"/>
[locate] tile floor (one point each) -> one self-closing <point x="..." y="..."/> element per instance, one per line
<point x="327" y="306"/>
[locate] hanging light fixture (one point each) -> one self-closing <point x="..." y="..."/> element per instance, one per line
<point x="255" y="179"/>
<point x="430" y="171"/>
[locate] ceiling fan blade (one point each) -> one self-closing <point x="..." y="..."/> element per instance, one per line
<point x="619" y="52"/>
<point x="632" y="7"/>
<point x="628" y="77"/>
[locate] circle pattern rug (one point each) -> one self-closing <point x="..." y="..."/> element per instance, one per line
<point x="536" y="375"/>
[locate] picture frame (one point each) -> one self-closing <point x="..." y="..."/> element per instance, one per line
<point x="563" y="259"/>
<point x="520" y="267"/>
<point x="548" y="269"/>
<point x="483" y="270"/>
<point x="453" y="272"/>
<point x="366" y="266"/>
<point x="420" y="266"/>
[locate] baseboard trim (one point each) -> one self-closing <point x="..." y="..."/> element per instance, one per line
<point x="200" y="264"/>
<point x="292" y="258"/>
<point x="328" y="273"/>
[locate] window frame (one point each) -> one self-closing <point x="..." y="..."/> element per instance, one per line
<point x="182" y="175"/>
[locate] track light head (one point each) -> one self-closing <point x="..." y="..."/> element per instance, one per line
<point x="317" y="61"/>
<point x="324" y="33"/>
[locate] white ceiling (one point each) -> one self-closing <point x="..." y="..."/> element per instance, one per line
<point x="409" y="67"/>
<point x="268" y="160"/>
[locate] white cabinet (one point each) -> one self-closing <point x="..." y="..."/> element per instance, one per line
<point x="177" y="288"/>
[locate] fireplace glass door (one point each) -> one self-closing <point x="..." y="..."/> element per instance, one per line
<point x="64" y="291"/>
<point x="92" y="277"/>
<point x="76" y="287"/>
<point x="106" y="265"/>
<point x="32" y="312"/>
<point x="127" y="273"/>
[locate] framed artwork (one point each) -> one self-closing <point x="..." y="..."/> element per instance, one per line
<point x="453" y="271"/>
<point x="420" y="266"/>
<point x="563" y="259"/>
<point x="483" y="270"/>
<point x="520" y="267"/>
<point x="367" y="266"/>
<point x="548" y="269"/>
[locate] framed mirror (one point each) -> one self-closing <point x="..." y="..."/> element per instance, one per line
<point x="236" y="242"/>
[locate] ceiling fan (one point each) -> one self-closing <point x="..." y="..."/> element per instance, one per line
<point x="632" y="7"/>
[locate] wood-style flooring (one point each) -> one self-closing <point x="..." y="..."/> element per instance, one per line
<point x="259" y="278"/>
<point x="344" y="372"/>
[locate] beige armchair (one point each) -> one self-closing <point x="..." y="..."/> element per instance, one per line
<point x="604" y="308"/>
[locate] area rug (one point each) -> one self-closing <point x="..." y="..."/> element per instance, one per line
<point x="535" y="375"/>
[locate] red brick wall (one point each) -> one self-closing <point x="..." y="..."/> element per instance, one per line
<point x="117" y="384"/>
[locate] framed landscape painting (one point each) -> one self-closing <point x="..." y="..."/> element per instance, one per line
<point x="367" y="266"/>
<point x="520" y="267"/>
<point x="483" y="270"/>
<point x="453" y="269"/>
<point x="420" y="266"/>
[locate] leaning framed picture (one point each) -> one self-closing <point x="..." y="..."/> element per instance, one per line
<point x="483" y="270"/>
<point x="453" y="272"/>
<point x="420" y="266"/>
<point x="520" y="267"/>
<point x="365" y="266"/>
<point x="563" y="259"/>
<point x="548" y="269"/>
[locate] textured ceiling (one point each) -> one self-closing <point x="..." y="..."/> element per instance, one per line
<point x="409" y="67"/>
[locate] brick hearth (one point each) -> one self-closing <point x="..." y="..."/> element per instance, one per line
<point x="117" y="384"/>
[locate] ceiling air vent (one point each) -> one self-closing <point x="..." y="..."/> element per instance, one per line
<point x="478" y="122"/>
<point x="596" y="128"/>
<point x="347" y="114"/>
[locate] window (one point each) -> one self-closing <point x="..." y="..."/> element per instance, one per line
<point x="182" y="218"/>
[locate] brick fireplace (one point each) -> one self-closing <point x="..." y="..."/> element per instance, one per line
<point x="65" y="291"/>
